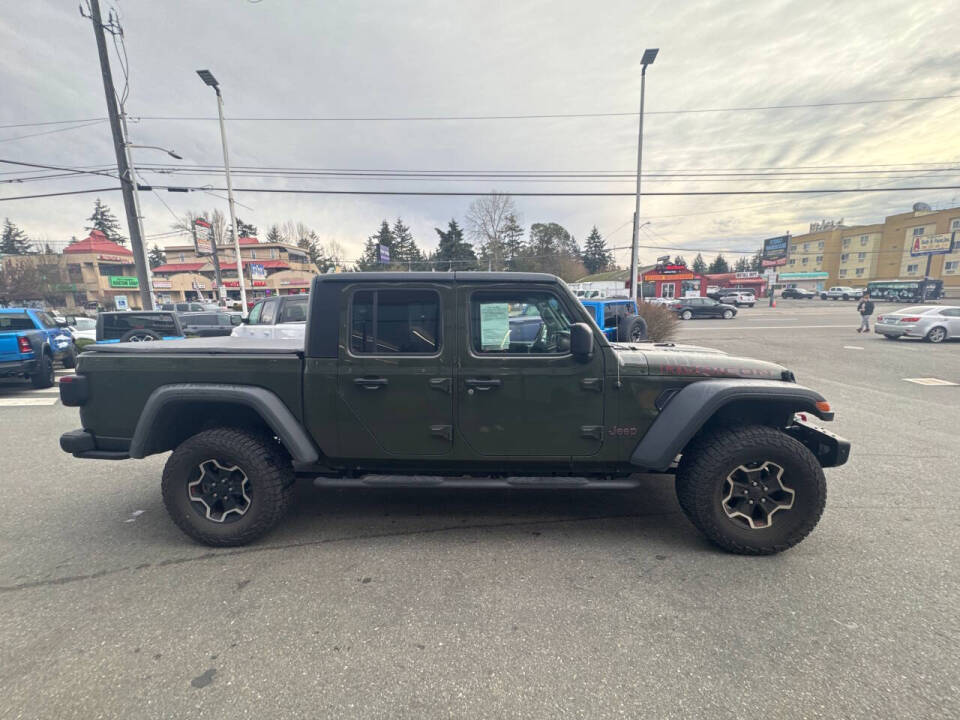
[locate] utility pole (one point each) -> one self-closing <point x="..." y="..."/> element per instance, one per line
<point x="649" y="55"/>
<point x="127" y="183"/>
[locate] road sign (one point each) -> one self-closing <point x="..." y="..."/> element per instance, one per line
<point x="933" y="244"/>
<point x="202" y="237"/>
<point x="121" y="302"/>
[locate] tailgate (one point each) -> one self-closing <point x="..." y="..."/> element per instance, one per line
<point x="9" y="351"/>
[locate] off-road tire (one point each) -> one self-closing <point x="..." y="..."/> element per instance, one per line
<point x="44" y="376"/>
<point x="266" y="465"/>
<point x="701" y="479"/>
<point x="69" y="360"/>
<point x="632" y="328"/>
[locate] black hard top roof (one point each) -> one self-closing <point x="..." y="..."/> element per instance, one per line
<point x="455" y="276"/>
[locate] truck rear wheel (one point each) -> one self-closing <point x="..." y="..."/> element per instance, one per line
<point x="227" y="486"/>
<point x="751" y="490"/>
<point x="44" y="376"/>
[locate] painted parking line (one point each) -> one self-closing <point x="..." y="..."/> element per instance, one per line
<point x="930" y="381"/>
<point x="27" y="401"/>
<point x="852" y="347"/>
<point x="764" y="327"/>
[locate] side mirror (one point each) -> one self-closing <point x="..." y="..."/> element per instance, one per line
<point x="245" y="319"/>
<point x="71" y="319"/>
<point x="581" y="341"/>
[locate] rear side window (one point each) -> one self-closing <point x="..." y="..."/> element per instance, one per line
<point x="15" y="321"/>
<point x="47" y="321"/>
<point x="395" y="322"/>
<point x="202" y="320"/>
<point x="139" y="321"/>
<point x="293" y="311"/>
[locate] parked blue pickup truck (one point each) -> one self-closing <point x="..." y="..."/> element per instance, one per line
<point x="618" y="319"/>
<point x="30" y="341"/>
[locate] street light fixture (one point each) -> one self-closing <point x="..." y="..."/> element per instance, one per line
<point x="171" y="153"/>
<point x="649" y="55"/>
<point x="210" y="80"/>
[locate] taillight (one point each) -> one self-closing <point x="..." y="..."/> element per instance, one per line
<point x="910" y="319"/>
<point x="24" y="344"/>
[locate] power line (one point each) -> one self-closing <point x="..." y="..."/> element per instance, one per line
<point x="50" y="132"/>
<point x="51" y="122"/>
<point x="57" y="167"/>
<point x="59" y="194"/>
<point x="547" y="116"/>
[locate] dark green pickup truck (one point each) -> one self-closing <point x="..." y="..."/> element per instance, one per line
<point x="458" y="379"/>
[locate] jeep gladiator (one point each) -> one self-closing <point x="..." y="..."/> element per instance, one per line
<point x="431" y="379"/>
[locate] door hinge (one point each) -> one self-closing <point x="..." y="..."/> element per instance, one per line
<point x="593" y="432"/>
<point x="595" y="384"/>
<point x="442" y="431"/>
<point x="442" y="384"/>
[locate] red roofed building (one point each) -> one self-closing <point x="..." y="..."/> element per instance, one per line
<point x="96" y="243"/>
<point x="99" y="270"/>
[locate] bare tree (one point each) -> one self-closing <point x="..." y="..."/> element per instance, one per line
<point x="217" y="220"/>
<point x="487" y="226"/>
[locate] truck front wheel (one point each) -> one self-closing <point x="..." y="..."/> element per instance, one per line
<point x="227" y="486"/>
<point x="751" y="490"/>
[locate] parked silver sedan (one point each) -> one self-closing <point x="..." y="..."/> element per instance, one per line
<point x="934" y="323"/>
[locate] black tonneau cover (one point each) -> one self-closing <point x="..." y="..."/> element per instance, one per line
<point x="204" y="346"/>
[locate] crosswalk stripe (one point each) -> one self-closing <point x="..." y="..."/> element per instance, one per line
<point x="26" y="401"/>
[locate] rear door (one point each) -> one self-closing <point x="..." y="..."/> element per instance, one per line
<point x="395" y="372"/>
<point x="519" y="396"/>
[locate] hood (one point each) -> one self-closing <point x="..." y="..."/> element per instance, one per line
<point x="694" y="361"/>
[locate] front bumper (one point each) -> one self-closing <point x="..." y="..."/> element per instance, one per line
<point x="830" y="449"/>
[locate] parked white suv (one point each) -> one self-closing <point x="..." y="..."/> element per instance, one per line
<point x="280" y="318"/>
<point x="841" y="292"/>
<point x="740" y="298"/>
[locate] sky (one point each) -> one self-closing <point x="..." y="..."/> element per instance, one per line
<point x="380" y="59"/>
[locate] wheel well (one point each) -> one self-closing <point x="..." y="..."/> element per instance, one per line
<point x="181" y="420"/>
<point x="770" y="412"/>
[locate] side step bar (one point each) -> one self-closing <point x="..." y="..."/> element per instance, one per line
<point x="466" y="481"/>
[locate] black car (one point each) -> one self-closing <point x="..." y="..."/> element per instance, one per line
<point x="702" y="307"/>
<point x="138" y="326"/>
<point x="209" y="324"/>
<point x="798" y="293"/>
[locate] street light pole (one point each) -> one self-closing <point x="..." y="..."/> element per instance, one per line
<point x="649" y="55"/>
<point x="210" y="80"/>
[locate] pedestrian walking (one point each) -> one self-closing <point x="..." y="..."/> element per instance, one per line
<point x="865" y="308"/>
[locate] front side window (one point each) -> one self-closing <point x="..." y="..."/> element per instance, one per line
<point x="269" y="313"/>
<point x="386" y="322"/>
<point x="254" y="317"/>
<point x="519" y="323"/>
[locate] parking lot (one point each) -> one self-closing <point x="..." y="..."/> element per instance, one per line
<point x="430" y="603"/>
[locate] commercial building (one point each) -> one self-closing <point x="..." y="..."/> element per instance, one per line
<point x="286" y="270"/>
<point x="836" y="254"/>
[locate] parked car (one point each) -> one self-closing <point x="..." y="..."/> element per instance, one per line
<point x="702" y="307"/>
<point x="209" y="324"/>
<point x="934" y="323"/>
<point x="405" y="379"/>
<point x="185" y="307"/>
<point x="79" y="327"/>
<point x="660" y="300"/>
<point x="740" y="298"/>
<point x="283" y="318"/>
<point x="798" y="293"/>
<point x="138" y="326"/>
<point x="618" y="319"/>
<point x="842" y="292"/>
<point x="30" y="341"/>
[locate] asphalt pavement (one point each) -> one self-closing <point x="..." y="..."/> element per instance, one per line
<point x="436" y="603"/>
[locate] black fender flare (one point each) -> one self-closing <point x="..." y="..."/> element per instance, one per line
<point x="691" y="407"/>
<point x="265" y="403"/>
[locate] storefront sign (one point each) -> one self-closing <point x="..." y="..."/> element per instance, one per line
<point x="259" y="283"/>
<point x="775" y="250"/>
<point x="786" y="277"/>
<point x="202" y="237"/>
<point x="122" y="281"/>
<point x="932" y="244"/>
<point x="649" y="277"/>
<point x="112" y="258"/>
<point x="295" y="281"/>
<point x="746" y="275"/>
<point x="257" y="271"/>
<point x="162" y="285"/>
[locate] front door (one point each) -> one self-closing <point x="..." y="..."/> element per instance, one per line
<point x="520" y="392"/>
<point x="395" y="381"/>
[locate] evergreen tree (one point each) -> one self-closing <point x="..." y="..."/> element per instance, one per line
<point x="104" y="221"/>
<point x="756" y="262"/>
<point x="273" y="235"/>
<point x="453" y="250"/>
<point x="404" y="252"/>
<point x="741" y="265"/>
<point x="14" y="241"/>
<point x="596" y="257"/>
<point x="156" y="256"/>
<point x="512" y="241"/>
<point x="699" y="265"/>
<point x="245" y="229"/>
<point x="680" y="260"/>
<point x="310" y="243"/>
<point x="370" y="260"/>
<point x="719" y="265"/>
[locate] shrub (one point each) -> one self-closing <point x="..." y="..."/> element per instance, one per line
<point x="662" y="323"/>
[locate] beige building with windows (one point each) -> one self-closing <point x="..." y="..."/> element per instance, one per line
<point x="188" y="276"/>
<point x="855" y="255"/>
